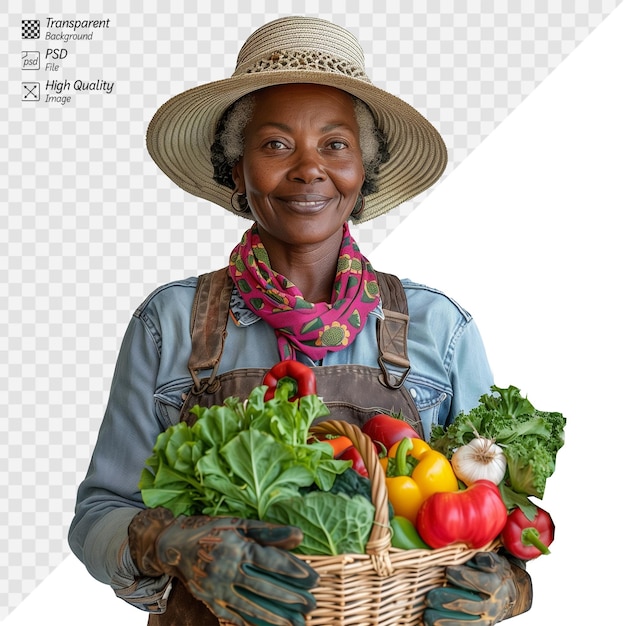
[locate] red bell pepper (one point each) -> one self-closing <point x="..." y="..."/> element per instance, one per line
<point x="298" y="376"/>
<point x="385" y="430"/>
<point x="474" y="516"/>
<point x="352" y="454"/>
<point x="528" y="538"/>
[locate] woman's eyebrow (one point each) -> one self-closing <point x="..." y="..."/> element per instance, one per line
<point x="282" y="126"/>
<point x="279" y="125"/>
<point x="334" y="125"/>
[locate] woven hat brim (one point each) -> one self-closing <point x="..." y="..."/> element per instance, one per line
<point x="180" y="135"/>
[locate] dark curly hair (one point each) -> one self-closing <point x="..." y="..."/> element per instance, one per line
<point x="228" y="145"/>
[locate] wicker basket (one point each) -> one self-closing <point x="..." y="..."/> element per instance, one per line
<point x="386" y="586"/>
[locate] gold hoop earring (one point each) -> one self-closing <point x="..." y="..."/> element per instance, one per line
<point x="359" y="207"/>
<point x="239" y="202"/>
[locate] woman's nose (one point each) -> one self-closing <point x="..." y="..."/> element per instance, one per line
<point x="307" y="166"/>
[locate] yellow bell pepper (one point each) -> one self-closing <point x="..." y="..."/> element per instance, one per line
<point x="414" y="471"/>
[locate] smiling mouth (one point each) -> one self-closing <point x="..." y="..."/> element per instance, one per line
<point x="306" y="203"/>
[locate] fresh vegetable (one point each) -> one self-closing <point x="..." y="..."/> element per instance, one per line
<point x="414" y="471"/>
<point x="351" y="483"/>
<point x="473" y="516"/>
<point x="528" y="538"/>
<point x="352" y="454"/>
<point x="252" y="460"/>
<point x="297" y="377"/>
<point x="331" y="523"/>
<point x="404" y="535"/>
<point x="338" y="443"/>
<point x="530" y="440"/>
<point x="385" y="430"/>
<point x="479" y="459"/>
<point x="344" y="450"/>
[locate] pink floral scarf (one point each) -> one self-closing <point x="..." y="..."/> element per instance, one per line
<point x="312" y="328"/>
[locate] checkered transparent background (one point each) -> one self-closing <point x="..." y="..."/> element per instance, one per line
<point x="91" y="226"/>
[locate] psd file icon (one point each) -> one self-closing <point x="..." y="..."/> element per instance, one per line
<point x="31" y="60"/>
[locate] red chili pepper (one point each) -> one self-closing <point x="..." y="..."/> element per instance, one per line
<point x="528" y="538"/>
<point x="474" y="516"/>
<point x="298" y="376"/>
<point x="385" y="430"/>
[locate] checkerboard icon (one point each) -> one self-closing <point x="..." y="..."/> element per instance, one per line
<point x="30" y="29"/>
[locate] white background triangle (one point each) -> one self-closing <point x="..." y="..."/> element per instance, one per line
<point x="528" y="234"/>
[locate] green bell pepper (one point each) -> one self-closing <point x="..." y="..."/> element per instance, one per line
<point x="404" y="535"/>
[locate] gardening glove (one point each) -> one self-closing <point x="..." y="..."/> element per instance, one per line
<point x="238" y="568"/>
<point x="484" y="591"/>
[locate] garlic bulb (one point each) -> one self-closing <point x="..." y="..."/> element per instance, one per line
<point x="481" y="458"/>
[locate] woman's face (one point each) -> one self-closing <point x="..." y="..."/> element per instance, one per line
<point x="301" y="168"/>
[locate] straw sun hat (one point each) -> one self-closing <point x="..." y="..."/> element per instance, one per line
<point x="296" y="50"/>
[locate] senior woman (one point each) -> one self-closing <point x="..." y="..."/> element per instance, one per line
<point x="299" y="141"/>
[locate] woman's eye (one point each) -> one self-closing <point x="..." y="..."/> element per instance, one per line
<point x="275" y="144"/>
<point x="337" y="145"/>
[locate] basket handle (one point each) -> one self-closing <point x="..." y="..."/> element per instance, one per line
<point x="380" y="537"/>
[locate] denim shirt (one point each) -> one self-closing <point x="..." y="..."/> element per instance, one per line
<point x="449" y="373"/>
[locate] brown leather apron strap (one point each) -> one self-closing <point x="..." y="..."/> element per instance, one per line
<point x="209" y="316"/>
<point x="392" y="331"/>
<point x="392" y="293"/>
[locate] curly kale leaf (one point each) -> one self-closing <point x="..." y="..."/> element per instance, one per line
<point x="529" y="465"/>
<point x="530" y="438"/>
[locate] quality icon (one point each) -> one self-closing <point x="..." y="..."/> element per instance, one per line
<point x="30" y="92"/>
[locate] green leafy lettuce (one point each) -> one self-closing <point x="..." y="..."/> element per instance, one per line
<point x="252" y="459"/>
